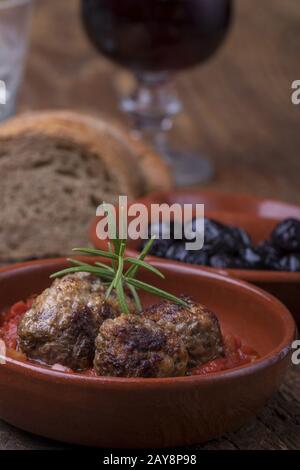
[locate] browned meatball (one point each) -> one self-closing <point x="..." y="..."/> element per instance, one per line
<point x="63" y="322"/>
<point x="198" y="328"/>
<point x="133" y="346"/>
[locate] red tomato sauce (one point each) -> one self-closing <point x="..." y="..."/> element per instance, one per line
<point x="236" y="353"/>
<point x="9" y="321"/>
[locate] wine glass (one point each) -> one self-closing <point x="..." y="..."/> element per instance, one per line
<point x="155" y="39"/>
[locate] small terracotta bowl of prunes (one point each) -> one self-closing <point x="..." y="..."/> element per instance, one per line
<point x="257" y="240"/>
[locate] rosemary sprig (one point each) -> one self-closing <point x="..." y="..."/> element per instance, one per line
<point x="113" y="274"/>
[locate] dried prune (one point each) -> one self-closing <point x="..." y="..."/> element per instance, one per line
<point x="225" y="239"/>
<point x="233" y="239"/>
<point x="197" y="257"/>
<point x="213" y="234"/>
<point x="270" y="255"/>
<point x="290" y="262"/>
<point x="176" y="251"/>
<point x="161" y="230"/>
<point x="250" y="258"/>
<point x="242" y="236"/>
<point x="224" y="260"/>
<point x="286" y="235"/>
<point x="212" y="230"/>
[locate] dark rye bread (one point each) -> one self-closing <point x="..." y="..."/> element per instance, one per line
<point x="56" y="168"/>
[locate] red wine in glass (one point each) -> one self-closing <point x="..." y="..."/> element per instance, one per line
<point x="155" y="38"/>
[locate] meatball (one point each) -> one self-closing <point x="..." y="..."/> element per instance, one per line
<point x="134" y="346"/>
<point x="63" y="322"/>
<point x="198" y="328"/>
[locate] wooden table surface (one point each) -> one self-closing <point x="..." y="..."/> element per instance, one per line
<point x="238" y="111"/>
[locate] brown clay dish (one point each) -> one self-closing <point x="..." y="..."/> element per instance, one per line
<point x="118" y="412"/>
<point x="257" y="216"/>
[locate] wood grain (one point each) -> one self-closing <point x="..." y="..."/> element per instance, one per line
<point x="238" y="111"/>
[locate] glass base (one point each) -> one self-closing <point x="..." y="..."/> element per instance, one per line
<point x="188" y="168"/>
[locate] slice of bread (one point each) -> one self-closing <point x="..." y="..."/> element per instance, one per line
<point x="56" y="167"/>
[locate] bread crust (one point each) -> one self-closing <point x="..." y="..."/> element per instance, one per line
<point x="134" y="164"/>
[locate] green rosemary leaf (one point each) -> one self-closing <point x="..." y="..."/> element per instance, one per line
<point x="112" y="225"/>
<point x="143" y="264"/>
<point x="94" y="251"/>
<point x="113" y="262"/>
<point x="88" y="269"/>
<point x="155" y="291"/>
<point x="119" y="272"/>
<point x="122" y="248"/>
<point x="133" y="269"/>
<point x="121" y="298"/>
<point x="105" y="266"/>
<point x="136" y="297"/>
<point x="147" y="248"/>
<point x="109" y="289"/>
<point x="122" y="223"/>
<point x="77" y="262"/>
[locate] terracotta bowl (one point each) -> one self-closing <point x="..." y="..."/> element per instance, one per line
<point x="137" y="413"/>
<point x="257" y="216"/>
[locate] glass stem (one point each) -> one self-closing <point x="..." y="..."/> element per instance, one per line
<point x="152" y="106"/>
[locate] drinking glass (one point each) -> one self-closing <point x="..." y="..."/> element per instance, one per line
<point x="155" y="39"/>
<point x="14" y="28"/>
